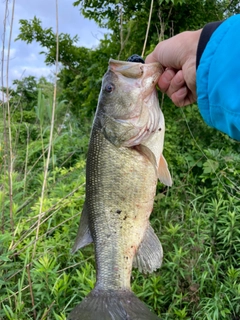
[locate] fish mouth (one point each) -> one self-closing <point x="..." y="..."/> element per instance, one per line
<point x="149" y="73"/>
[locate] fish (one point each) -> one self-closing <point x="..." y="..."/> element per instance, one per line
<point x="124" y="162"/>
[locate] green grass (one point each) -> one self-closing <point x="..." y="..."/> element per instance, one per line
<point x="197" y="221"/>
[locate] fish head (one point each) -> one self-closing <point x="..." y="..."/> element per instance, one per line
<point x="126" y="85"/>
<point x="128" y="106"/>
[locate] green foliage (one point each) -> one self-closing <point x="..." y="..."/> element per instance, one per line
<point x="197" y="220"/>
<point x="32" y="30"/>
<point x="169" y="17"/>
<point x="126" y="21"/>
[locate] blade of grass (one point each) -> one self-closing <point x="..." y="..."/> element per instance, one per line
<point x="51" y="134"/>
<point x="10" y="158"/>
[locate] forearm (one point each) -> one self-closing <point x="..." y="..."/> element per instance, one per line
<point x="218" y="76"/>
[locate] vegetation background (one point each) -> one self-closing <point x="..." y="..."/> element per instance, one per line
<point x="44" y="132"/>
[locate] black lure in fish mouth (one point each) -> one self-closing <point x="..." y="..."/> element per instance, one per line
<point x="136" y="58"/>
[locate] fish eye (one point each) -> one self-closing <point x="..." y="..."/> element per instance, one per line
<point x="109" y="87"/>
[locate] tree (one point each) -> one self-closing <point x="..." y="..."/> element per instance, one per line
<point x="82" y="68"/>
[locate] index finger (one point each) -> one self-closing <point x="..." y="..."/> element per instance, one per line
<point x="151" y="58"/>
<point x="168" y="53"/>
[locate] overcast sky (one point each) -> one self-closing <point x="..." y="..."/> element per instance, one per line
<point x="25" y="59"/>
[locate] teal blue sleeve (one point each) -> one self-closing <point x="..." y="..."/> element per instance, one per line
<point x="218" y="79"/>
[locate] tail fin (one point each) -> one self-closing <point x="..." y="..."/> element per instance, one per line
<point x="111" y="305"/>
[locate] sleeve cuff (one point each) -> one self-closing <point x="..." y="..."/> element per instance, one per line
<point x="204" y="38"/>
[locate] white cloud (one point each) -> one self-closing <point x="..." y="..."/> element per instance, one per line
<point x="32" y="57"/>
<point x="11" y="53"/>
<point x="25" y="59"/>
<point x="37" y="72"/>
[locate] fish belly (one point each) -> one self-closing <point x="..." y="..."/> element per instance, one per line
<point x="120" y="190"/>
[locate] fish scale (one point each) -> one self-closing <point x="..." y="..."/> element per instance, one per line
<point x="116" y="176"/>
<point x="123" y="164"/>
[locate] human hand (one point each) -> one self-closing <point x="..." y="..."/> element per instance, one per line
<point x="178" y="56"/>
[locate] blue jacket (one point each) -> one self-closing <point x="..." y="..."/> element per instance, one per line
<point x="218" y="78"/>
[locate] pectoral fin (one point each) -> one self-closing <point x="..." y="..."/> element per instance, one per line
<point x="163" y="173"/>
<point x="147" y="153"/>
<point x="150" y="253"/>
<point x="83" y="235"/>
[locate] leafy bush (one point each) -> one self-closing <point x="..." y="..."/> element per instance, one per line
<point x="197" y="221"/>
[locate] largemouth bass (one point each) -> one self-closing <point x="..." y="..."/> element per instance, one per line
<point x="123" y="164"/>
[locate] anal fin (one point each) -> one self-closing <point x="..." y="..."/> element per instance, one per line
<point x="83" y="235"/>
<point x="150" y="253"/>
